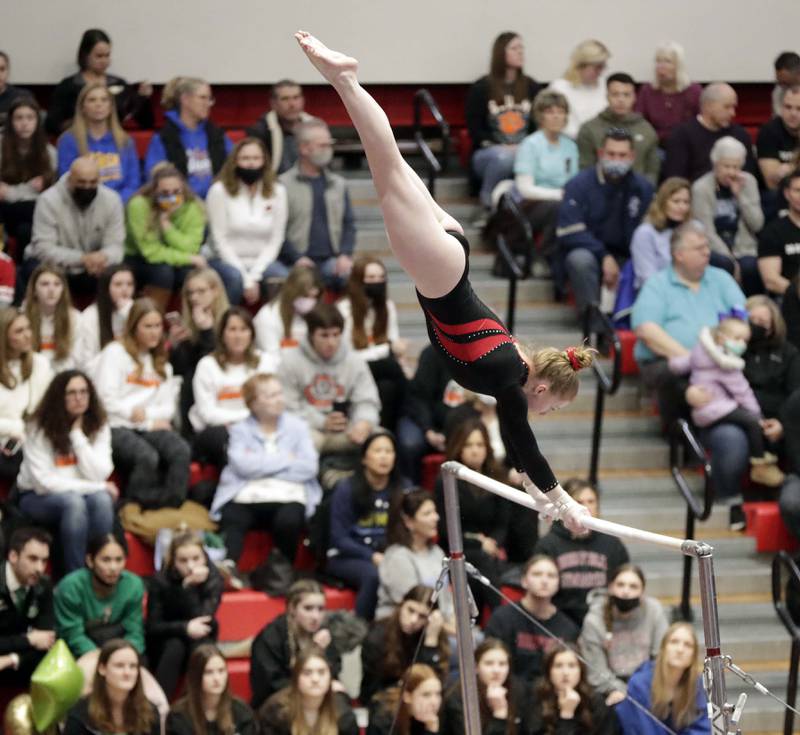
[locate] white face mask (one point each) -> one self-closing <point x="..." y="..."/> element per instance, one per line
<point x="303" y="304"/>
<point x="321" y="158"/>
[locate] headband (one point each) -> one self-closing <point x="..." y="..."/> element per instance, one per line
<point x="572" y="359"/>
<point x="734" y="313"/>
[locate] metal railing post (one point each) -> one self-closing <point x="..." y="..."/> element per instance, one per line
<point x="514" y="274"/>
<point x="783" y="560"/>
<point x="435" y="166"/>
<point x="458" y="576"/>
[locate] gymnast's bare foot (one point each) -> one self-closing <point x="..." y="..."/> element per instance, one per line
<point x="334" y="66"/>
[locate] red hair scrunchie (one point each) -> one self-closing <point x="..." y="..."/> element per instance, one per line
<point x="572" y="359"/>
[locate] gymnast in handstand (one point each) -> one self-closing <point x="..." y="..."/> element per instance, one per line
<point x="481" y="353"/>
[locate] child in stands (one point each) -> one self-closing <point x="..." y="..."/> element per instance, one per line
<point x="135" y="383"/>
<point x="715" y="364"/>
<point x="208" y="705"/>
<point x="183" y="598"/>
<point x="283" y="641"/>
<point x="527" y="641"/>
<point x="53" y="320"/>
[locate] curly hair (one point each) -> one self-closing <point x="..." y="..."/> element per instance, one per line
<point x="51" y="415"/>
<point x="548" y="696"/>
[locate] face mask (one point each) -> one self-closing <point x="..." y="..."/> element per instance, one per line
<point x="735" y="347"/>
<point x="303" y="304"/>
<point x="757" y="333"/>
<point x="168" y="202"/>
<point x="673" y="223"/>
<point x="321" y="158"/>
<point x="250" y="175"/>
<point x="375" y="291"/>
<point x="623" y="605"/>
<point x="615" y="169"/>
<point x="84" y="197"/>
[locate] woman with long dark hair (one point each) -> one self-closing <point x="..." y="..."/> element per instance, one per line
<point x="65" y="468"/>
<point x="217" y="385"/>
<point x="389" y="648"/>
<point x="134" y="381"/>
<point x="208" y="707"/>
<point x="96" y="131"/>
<point x="28" y="166"/>
<point x="485" y="517"/>
<point x="94" y="58"/>
<point x="52" y="318"/>
<point x="370" y="327"/>
<point x="359" y="516"/>
<point x="309" y="705"/>
<point x="117" y="703"/>
<point x="500" y="696"/>
<point x="183" y="598"/>
<point x="24" y="377"/>
<point x="499" y="113"/>
<point x="104" y="320"/>
<point x="564" y="703"/>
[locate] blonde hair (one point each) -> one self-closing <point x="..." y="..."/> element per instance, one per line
<point x="218" y="307"/>
<point x="590" y="51"/>
<point x="556" y="366"/>
<point x="657" y="212"/>
<point x="175" y="88"/>
<point x="79" y="128"/>
<point x="63" y="328"/>
<point x="778" y="322"/>
<point x="678" y="703"/>
<point x="140" y="309"/>
<point x="676" y="54"/>
<point x="8" y="316"/>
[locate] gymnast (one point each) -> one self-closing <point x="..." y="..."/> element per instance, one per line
<point x="430" y="245"/>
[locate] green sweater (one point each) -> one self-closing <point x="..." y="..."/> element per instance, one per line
<point x="645" y="142"/>
<point x="173" y="246"/>
<point x="77" y="606"/>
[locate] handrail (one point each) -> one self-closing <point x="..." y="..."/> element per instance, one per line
<point x="435" y="167"/>
<point x="681" y="436"/>
<point x="606" y="386"/>
<point x="782" y="559"/>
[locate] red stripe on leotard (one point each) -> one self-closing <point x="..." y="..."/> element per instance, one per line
<point x="471" y="351"/>
<point x="479" y="325"/>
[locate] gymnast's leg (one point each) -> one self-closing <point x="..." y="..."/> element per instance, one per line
<point x="414" y="222"/>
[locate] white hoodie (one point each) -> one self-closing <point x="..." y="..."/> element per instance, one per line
<point x="269" y="330"/>
<point x="218" y="392"/>
<point x="122" y="388"/>
<point x="24" y="397"/>
<point x="47" y="345"/>
<point x="83" y="471"/>
<point x="87" y="346"/>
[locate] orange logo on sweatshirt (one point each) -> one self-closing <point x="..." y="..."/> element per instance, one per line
<point x="134" y="379"/>
<point x="323" y="390"/>
<point x="66" y="460"/>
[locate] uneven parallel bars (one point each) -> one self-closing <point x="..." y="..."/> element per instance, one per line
<point x="714" y="672"/>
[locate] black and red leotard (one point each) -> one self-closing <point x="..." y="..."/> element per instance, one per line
<point x="483" y="358"/>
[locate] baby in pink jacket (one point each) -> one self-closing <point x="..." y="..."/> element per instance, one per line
<point x="716" y="364"/>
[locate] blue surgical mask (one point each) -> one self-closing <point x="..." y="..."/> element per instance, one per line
<point x="735" y="347"/>
<point x="615" y="169"/>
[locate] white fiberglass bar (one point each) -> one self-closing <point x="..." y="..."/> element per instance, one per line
<point x="595" y="524"/>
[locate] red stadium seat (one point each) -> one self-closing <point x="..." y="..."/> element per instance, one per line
<point x="243" y="614"/>
<point x="431" y="464"/>
<point x="199" y="472"/>
<point x="340" y="599"/>
<point x="627" y="340"/>
<point x="140" y="556"/>
<point x="141" y="139"/>
<point x="239" y="677"/>
<point x="237" y="134"/>
<point x="764" y="522"/>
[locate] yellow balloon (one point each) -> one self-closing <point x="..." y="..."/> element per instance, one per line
<point x="18" y="719"/>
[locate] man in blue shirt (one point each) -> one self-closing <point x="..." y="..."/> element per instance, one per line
<point x="671" y="309"/>
<point x="320" y="230"/>
<point x="601" y="208"/>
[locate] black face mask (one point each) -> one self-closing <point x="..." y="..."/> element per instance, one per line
<point x="673" y="223"/>
<point x="250" y="175"/>
<point x="623" y="605"/>
<point x="83" y="197"/>
<point x="375" y="291"/>
<point x="758" y="334"/>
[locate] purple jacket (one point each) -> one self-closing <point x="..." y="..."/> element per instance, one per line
<point x="721" y="375"/>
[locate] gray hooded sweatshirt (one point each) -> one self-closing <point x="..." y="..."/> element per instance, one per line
<point x="63" y="233"/>
<point x="634" y="639"/>
<point x="311" y="385"/>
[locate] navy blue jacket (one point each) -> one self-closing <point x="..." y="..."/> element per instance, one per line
<point x="600" y="216"/>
